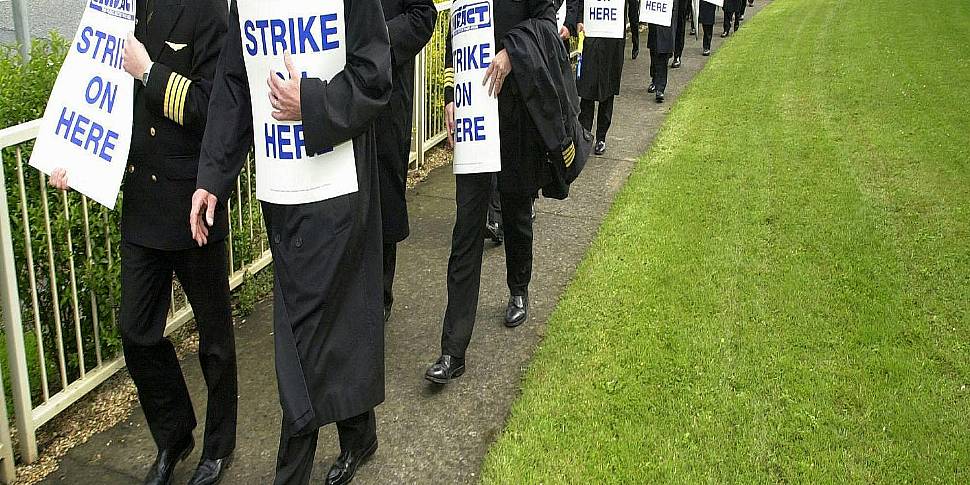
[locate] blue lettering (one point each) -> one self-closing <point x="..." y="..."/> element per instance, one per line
<point x="251" y="43"/>
<point x="295" y="35"/>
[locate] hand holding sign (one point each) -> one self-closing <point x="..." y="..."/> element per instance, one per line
<point x="450" y="122"/>
<point x="284" y="94"/>
<point x="497" y="71"/>
<point x="136" y="56"/>
<point x="58" y="179"/>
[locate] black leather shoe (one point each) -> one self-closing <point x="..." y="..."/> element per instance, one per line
<point x="636" y="51"/>
<point x="725" y="34"/>
<point x="493" y="231"/>
<point x="600" y="148"/>
<point x="750" y="3"/>
<point x="344" y="469"/>
<point x="652" y="88"/>
<point x="693" y="31"/>
<point x="706" y="53"/>
<point x="676" y="63"/>
<point x="164" y="467"/>
<point x="660" y="97"/>
<point x="517" y="312"/>
<point x="209" y="471"/>
<point x="446" y="369"/>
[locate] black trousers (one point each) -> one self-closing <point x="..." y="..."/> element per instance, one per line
<point x="294" y="460"/>
<point x="473" y="193"/>
<point x="732" y="17"/>
<point x="604" y="118"/>
<point x="708" y="35"/>
<point x="633" y="16"/>
<point x="658" y="70"/>
<point x="146" y="285"/>
<point x="680" y="29"/>
<point x="390" y="267"/>
<point x="743" y="7"/>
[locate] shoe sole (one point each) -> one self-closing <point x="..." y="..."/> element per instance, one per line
<point x="458" y="373"/>
<point x="518" y="322"/>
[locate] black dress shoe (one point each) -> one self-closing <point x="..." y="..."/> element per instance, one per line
<point x="706" y="53"/>
<point x="652" y="88"/>
<point x="636" y="51"/>
<point x="693" y="31"/>
<point x="660" y="97"/>
<point x="493" y="231"/>
<point x="517" y="312"/>
<point x="164" y="467"/>
<point x="676" y="64"/>
<point x="446" y="369"/>
<point x="725" y="34"/>
<point x="600" y="148"/>
<point x="750" y="3"/>
<point x="344" y="469"/>
<point x="209" y="471"/>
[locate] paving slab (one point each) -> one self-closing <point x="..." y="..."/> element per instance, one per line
<point x="428" y="434"/>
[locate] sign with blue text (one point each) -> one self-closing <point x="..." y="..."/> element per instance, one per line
<point x="478" y="148"/>
<point x="313" y="32"/>
<point x="604" y="18"/>
<point x="657" y="12"/>
<point x="86" y="127"/>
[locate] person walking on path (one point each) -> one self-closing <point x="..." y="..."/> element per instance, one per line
<point x="660" y="41"/>
<point x="599" y="80"/>
<point x="522" y="174"/>
<point x="410" y="25"/>
<point x="173" y="54"/>
<point x="324" y="225"/>
<point x="705" y="17"/>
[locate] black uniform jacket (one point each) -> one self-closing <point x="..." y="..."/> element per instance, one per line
<point x="602" y="68"/>
<point x="660" y="39"/>
<point x="523" y="152"/>
<point x="705" y="15"/>
<point x="183" y="38"/>
<point x="548" y="89"/>
<point x="733" y="5"/>
<point x="410" y="24"/>
<point x="328" y="297"/>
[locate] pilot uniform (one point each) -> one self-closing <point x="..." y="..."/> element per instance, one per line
<point x="184" y="40"/>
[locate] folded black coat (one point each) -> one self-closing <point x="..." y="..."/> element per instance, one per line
<point x="546" y="85"/>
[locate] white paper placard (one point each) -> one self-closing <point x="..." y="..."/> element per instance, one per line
<point x="561" y="16"/>
<point x="719" y="3"/>
<point x="604" y="18"/>
<point x="657" y="12"/>
<point x="87" y="124"/>
<point x="313" y="32"/>
<point x="478" y="148"/>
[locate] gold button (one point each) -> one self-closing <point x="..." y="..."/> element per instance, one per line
<point x="154" y="178"/>
<point x="152" y="131"/>
<point x="131" y="169"/>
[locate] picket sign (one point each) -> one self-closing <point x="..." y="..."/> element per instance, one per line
<point x="604" y="18"/>
<point x="719" y="3"/>
<point x="478" y="148"/>
<point x="657" y="12"/>
<point x="86" y="127"/>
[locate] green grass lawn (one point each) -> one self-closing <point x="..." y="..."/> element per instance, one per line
<point x="781" y="292"/>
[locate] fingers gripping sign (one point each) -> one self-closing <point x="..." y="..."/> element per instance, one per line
<point x="284" y="94"/>
<point x="497" y="71"/>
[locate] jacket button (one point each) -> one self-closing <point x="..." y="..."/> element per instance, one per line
<point x="299" y="242"/>
<point x="131" y="169"/>
<point x="154" y="178"/>
<point x="276" y="238"/>
<point x="152" y="131"/>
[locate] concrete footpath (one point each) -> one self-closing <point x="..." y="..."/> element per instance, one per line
<point x="427" y="434"/>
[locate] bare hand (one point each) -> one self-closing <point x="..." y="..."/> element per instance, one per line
<point x="579" y="28"/>
<point x="136" y="58"/>
<point x="564" y="32"/>
<point x="58" y="179"/>
<point x="450" y="122"/>
<point x="203" y="203"/>
<point x="284" y="95"/>
<point x="500" y="67"/>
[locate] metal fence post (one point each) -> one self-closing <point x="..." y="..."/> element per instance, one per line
<point x="418" y="109"/>
<point x="13" y="327"/>
<point x="8" y="471"/>
<point x="22" y="26"/>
